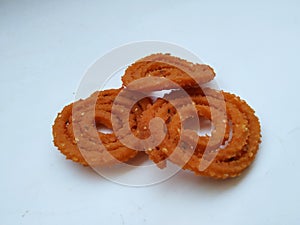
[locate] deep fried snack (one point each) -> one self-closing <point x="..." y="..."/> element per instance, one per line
<point x="76" y="134"/>
<point x="236" y="134"/>
<point x="173" y="70"/>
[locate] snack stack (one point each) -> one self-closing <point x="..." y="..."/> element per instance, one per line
<point x="130" y="113"/>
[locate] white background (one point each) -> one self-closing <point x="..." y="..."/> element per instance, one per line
<point x="45" y="48"/>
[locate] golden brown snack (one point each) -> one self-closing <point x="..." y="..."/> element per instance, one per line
<point x="229" y="150"/>
<point x="76" y="134"/>
<point x="173" y="71"/>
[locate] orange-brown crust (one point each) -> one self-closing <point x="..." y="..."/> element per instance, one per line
<point x="75" y="130"/>
<point x="173" y="70"/>
<point x="232" y="158"/>
<point x="229" y="150"/>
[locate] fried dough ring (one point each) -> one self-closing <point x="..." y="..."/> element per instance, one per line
<point x="75" y="129"/>
<point x="182" y="72"/>
<point x="230" y="159"/>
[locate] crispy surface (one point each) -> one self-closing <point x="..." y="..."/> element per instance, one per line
<point x="76" y="134"/>
<point x="169" y="68"/>
<point x="234" y="140"/>
<point x="227" y="152"/>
